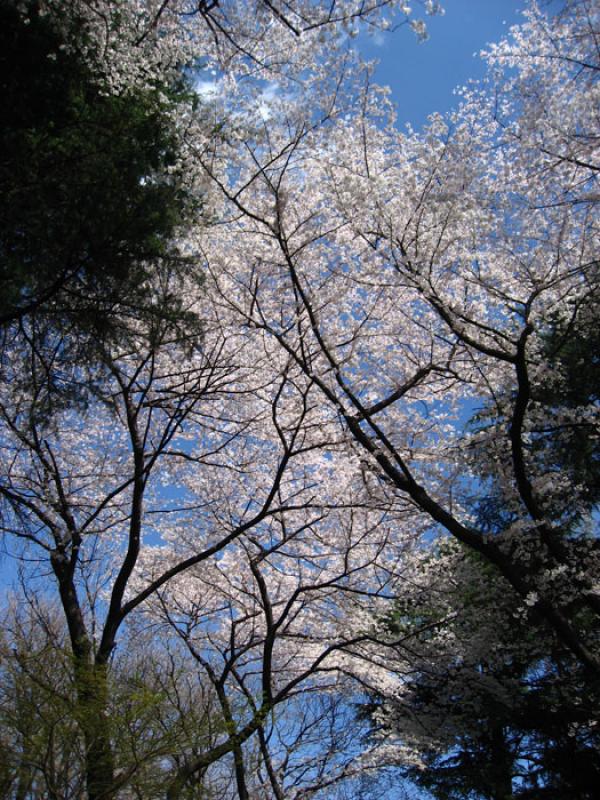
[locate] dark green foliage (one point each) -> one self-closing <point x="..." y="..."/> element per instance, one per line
<point x="562" y="437"/>
<point x="515" y="720"/>
<point x="572" y="350"/>
<point x="158" y="712"/>
<point x="87" y="214"/>
<point x="533" y="747"/>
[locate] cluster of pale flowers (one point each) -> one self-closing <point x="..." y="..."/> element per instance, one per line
<point x="364" y="293"/>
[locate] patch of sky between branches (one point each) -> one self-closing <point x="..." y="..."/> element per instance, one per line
<point x="424" y="75"/>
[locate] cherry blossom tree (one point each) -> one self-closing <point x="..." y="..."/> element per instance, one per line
<point x="180" y="442"/>
<point x="416" y="279"/>
<point x="439" y="290"/>
<point x="201" y="485"/>
<point x="379" y="349"/>
<point x="279" y="619"/>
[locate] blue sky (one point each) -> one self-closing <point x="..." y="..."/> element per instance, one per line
<point x="422" y="76"/>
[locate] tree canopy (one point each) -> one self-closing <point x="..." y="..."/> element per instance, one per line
<point x="298" y="412"/>
<point x="91" y="196"/>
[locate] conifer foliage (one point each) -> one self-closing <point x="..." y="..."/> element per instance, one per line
<point x="297" y="412"/>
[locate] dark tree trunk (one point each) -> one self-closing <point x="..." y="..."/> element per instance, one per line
<point x="91" y="687"/>
<point x="93" y="716"/>
<point x="501" y="766"/>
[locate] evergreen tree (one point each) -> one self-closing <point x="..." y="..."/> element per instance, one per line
<point x="494" y="708"/>
<point x="89" y="208"/>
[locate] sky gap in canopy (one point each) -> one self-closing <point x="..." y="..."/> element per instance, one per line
<point x="424" y="75"/>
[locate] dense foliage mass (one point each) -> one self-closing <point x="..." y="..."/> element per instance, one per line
<point x="89" y="200"/>
<point x="299" y="414"/>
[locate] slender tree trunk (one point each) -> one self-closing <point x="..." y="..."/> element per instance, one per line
<point x="92" y="708"/>
<point x="24" y="779"/>
<point x="91" y="687"/>
<point x="502" y="764"/>
<point x="24" y="771"/>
